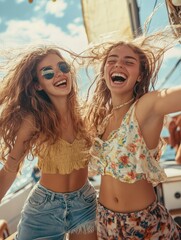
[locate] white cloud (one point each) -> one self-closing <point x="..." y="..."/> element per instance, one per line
<point x="20" y="1"/>
<point x="36" y="30"/>
<point x="75" y="29"/>
<point x="77" y="20"/>
<point x="57" y="8"/>
<point x="40" y="5"/>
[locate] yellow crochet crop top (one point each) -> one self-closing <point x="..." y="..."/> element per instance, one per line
<point x="63" y="157"/>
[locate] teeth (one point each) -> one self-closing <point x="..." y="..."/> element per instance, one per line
<point x="118" y="75"/>
<point x="61" y="82"/>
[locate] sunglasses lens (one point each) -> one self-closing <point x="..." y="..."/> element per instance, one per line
<point x="64" y="67"/>
<point x="48" y="74"/>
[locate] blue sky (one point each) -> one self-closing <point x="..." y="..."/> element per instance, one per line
<point x="43" y="20"/>
<point x="61" y="22"/>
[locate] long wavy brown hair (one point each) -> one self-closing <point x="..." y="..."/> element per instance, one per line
<point x="150" y="50"/>
<point x="19" y="99"/>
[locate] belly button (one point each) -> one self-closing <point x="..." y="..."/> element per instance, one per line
<point x="116" y="200"/>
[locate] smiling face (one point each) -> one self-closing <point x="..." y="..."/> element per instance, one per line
<point x="54" y="76"/>
<point x="121" y="69"/>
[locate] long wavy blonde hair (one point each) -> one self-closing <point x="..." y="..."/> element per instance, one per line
<point x="19" y="99"/>
<point x="150" y="50"/>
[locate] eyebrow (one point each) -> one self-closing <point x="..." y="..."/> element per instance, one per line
<point x="127" y="57"/>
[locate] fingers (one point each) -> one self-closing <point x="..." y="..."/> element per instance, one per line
<point x="178" y="155"/>
<point x="178" y="123"/>
<point x="173" y="135"/>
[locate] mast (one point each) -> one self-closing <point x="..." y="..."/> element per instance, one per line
<point x="135" y="17"/>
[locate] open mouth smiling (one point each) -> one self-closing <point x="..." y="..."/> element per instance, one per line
<point x="61" y="83"/>
<point x="118" y="77"/>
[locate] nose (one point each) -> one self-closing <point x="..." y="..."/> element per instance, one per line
<point x="58" y="72"/>
<point x="119" y="64"/>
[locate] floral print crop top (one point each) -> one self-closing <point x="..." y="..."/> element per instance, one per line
<point x="125" y="156"/>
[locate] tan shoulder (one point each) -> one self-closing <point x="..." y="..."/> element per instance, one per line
<point x="29" y="120"/>
<point x="27" y="127"/>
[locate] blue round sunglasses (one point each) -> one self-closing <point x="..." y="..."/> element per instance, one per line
<point x="48" y="73"/>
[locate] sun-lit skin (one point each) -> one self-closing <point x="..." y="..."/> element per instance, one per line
<point x="121" y="72"/>
<point x="125" y="106"/>
<point x="123" y="62"/>
<point x="50" y="85"/>
<point x="59" y="93"/>
<point x="55" y="93"/>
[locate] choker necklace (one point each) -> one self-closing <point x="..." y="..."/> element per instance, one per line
<point x="122" y="105"/>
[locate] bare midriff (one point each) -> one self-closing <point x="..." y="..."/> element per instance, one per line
<point x="63" y="183"/>
<point x="125" y="197"/>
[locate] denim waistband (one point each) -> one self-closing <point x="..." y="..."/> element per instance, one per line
<point x="66" y="195"/>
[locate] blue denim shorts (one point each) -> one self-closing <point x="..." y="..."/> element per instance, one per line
<point x="49" y="215"/>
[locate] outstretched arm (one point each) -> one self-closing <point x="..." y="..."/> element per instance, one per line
<point x="163" y="102"/>
<point x="152" y="108"/>
<point x="9" y="171"/>
<point x="168" y="101"/>
<point x="7" y="175"/>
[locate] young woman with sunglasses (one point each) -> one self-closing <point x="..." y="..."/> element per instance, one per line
<point x="40" y="116"/>
<point x="128" y="120"/>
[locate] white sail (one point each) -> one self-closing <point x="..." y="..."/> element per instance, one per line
<point x="102" y="17"/>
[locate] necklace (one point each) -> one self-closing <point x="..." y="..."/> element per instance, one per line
<point x="123" y="104"/>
